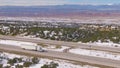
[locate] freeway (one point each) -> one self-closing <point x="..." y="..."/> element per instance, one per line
<point x="66" y="56"/>
<point x="70" y="44"/>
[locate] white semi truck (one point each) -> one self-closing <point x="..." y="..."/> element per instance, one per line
<point x="32" y="47"/>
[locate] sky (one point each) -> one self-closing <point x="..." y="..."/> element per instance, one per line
<point x="55" y="2"/>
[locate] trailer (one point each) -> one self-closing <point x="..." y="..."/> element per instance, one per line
<point x="31" y="47"/>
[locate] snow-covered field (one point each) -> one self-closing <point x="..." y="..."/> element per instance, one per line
<point x="53" y="48"/>
<point x="61" y="63"/>
<point x="19" y="43"/>
<point x="29" y="37"/>
<point x="99" y="43"/>
<point x="106" y="44"/>
<point x="95" y="53"/>
<point x="15" y="43"/>
<point x="66" y="20"/>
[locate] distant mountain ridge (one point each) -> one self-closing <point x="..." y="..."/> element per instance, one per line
<point x="60" y="10"/>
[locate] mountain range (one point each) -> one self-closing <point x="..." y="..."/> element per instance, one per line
<point x="60" y="10"/>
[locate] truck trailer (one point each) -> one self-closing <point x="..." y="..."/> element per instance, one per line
<point x="32" y="47"/>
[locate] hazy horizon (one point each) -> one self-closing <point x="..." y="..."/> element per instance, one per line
<point x="56" y="2"/>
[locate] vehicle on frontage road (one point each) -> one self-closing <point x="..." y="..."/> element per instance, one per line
<point x="32" y="47"/>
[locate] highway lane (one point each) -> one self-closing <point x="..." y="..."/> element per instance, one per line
<point x="67" y="56"/>
<point x="70" y="44"/>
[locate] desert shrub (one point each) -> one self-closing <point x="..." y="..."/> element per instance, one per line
<point x="51" y="65"/>
<point x="1" y="65"/>
<point x="18" y="66"/>
<point x="35" y="60"/>
<point x="7" y="67"/>
<point x="27" y="64"/>
<point x="11" y="61"/>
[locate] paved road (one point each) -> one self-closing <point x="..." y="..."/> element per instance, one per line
<point x="71" y="44"/>
<point x="67" y="56"/>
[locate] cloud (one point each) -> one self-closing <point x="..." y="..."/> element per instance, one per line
<point x="32" y="2"/>
<point x="55" y="2"/>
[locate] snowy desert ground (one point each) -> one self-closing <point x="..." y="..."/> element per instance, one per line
<point x="4" y="57"/>
<point x="15" y="43"/>
<point x="20" y="43"/>
<point x="98" y="43"/>
<point x="62" y="64"/>
<point x="96" y="53"/>
<point x="105" y="44"/>
<point x="29" y="37"/>
<point x="55" y="48"/>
